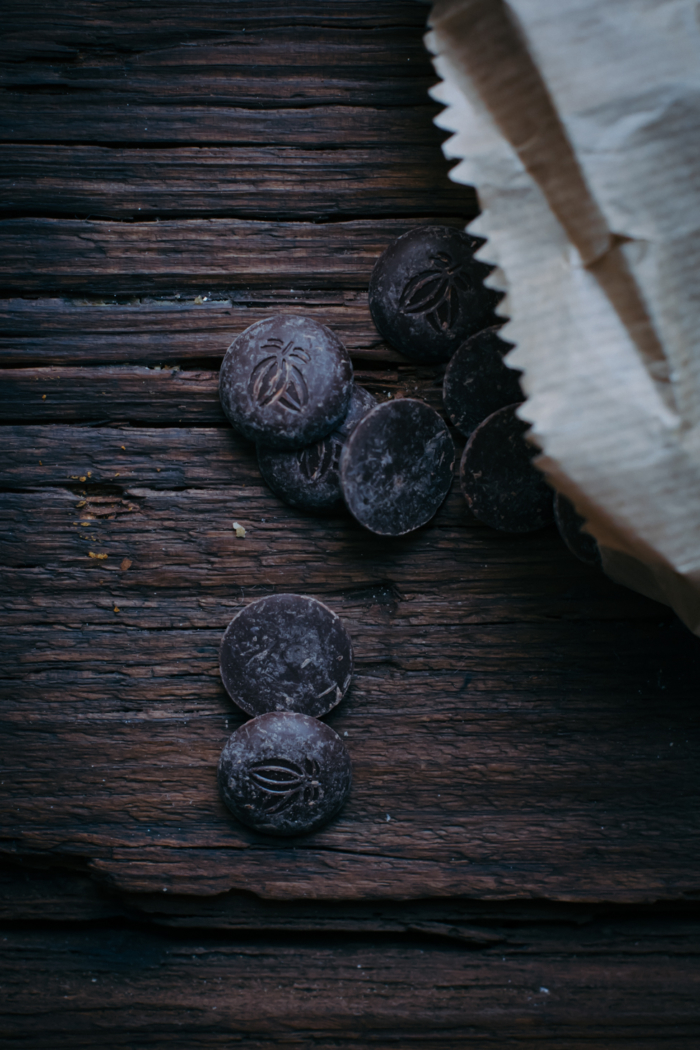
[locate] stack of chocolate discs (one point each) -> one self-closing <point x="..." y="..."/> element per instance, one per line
<point x="286" y="381"/>
<point x="502" y="487"/>
<point x="427" y="293"/>
<point x="287" y="384"/>
<point x="286" y="660"/>
<point x="428" y="300"/>
<point x="396" y="468"/>
<point x="309" y="478"/>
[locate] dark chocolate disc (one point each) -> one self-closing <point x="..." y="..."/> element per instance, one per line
<point x="477" y="382"/>
<point x="284" y="773"/>
<point x="396" y="467"/>
<point x="426" y="293"/>
<point x="501" y="486"/>
<point x="570" y="524"/>
<point x="287" y="652"/>
<point x="286" y="381"/>
<point x="308" y="478"/>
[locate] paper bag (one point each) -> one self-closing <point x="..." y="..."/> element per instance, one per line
<point x="578" y="121"/>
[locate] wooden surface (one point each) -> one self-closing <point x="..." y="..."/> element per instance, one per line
<point x="524" y="733"/>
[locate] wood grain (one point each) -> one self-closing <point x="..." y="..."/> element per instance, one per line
<point x="360" y="76"/>
<point x="488" y="788"/>
<point x="65" y="332"/>
<point x="524" y="732"/>
<point x="250" y="70"/>
<point x="562" y="989"/>
<point x="44" y="255"/>
<point x="510" y="694"/>
<point x="98" y="22"/>
<point x="44" y="117"/>
<point x="611" y="977"/>
<point x="245" y="183"/>
<point x="168" y="395"/>
<point x="40" y="891"/>
<point x="123" y="481"/>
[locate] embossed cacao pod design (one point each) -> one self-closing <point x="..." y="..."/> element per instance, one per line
<point x="284" y="781"/>
<point x="316" y="460"/>
<point x="437" y="292"/>
<point x="279" y="378"/>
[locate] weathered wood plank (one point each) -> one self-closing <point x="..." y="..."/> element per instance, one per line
<point x="260" y="183"/>
<point x="250" y="69"/>
<point x="165" y="395"/>
<point x="241" y="53"/>
<point x="99" y="22"/>
<point x="237" y="87"/>
<point x="166" y="76"/>
<point x="126" y="503"/>
<point x="43" y="892"/>
<point x="222" y="85"/>
<point x="60" y="332"/>
<point x="111" y="393"/>
<point x="456" y="568"/>
<point x="236" y="62"/>
<point x="42" y="255"/>
<point x="38" y="117"/>
<point x="630" y="986"/>
<point x="477" y="738"/>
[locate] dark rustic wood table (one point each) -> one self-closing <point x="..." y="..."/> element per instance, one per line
<point x="518" y="861"/>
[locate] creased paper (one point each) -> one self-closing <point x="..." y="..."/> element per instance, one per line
<point x="578" y="121"/>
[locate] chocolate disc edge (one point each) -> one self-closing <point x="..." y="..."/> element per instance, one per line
<point x="378" y="295"/>
<point x="324" y="497"/>
<point x="344" y="458"/>
<point x="334" y="616"/>
<point x="254" y="433"/>
<point x="223" y="779"/>
<point x="473" y="437"/>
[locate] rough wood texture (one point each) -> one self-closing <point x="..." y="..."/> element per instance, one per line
<point x="340" y="974"/>
<point x="525" y="733"/>
<point x="162" y="395"/>
<point x="484" y="695"/>
<point x="246" y="183"/>
<point x="633" y="983"/>
<point x="45" y="118"/>
<point x="99" y="22"/>
<point x="250" y="69"/>
<point x="61" y="332"/>
<point x="177" y="74"/>
<point x="46" y="255"/>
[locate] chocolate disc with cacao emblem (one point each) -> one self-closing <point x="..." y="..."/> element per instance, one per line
<point x="426" y="293"/>
<point x="501" y="486"/>
<point x="287" y="652"/>
<point x="570" y="524"/>
<point x="396" y="467"/>
<point x="284" y="773"/>
<point x="478" y="382"/>
<point x="308" y="478"/>
<point x="286" y="381"/>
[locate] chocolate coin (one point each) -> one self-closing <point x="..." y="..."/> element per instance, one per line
<point x="287" y="652"/>
<point x="426" y="293"/>
<point x="284" y="773"/>
<point x="308" y="478"/>
<point x="477" y="382"/>
<point x="396" y="467"/>
<point x="286" y="381"/>
<point x="501" y="486"/>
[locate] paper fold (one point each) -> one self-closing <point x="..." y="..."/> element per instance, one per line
<point x="575" y="121"/>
